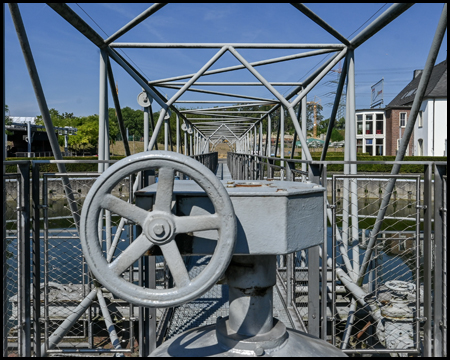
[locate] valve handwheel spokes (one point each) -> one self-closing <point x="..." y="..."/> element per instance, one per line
<point x="159" y="227"/>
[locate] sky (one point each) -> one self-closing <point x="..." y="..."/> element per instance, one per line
<point x="68" y="63"/>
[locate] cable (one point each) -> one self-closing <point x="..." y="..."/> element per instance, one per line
<point x="327" y="56"/>
<point x="121" y="50"/>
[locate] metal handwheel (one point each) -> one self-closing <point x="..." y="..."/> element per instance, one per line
<point x="159" y="227"/>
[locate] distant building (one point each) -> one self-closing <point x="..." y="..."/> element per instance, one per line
<point x="430" y="130"/>
<point x="371" y="131"/>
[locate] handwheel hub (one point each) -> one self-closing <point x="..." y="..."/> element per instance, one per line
<point x="159" y="229"/>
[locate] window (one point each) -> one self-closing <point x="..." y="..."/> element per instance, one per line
<point x="379" y="124"/>
<point x="402" y="122"/>
<point x="420" y="147"/>
<point x="359" y="124"/>
<point x="379" y="147"/>
<point x="369" y="146"/>
<point x="420" y="119"/>
<point x="359" y="146"/>
<point x="369" y="125"/>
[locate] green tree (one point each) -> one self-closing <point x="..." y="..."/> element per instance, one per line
<point x="86" y="138"/>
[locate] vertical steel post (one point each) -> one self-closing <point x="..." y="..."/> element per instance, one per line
<point x="439" y="269"/>
<point x="29" y="138"/>
<point x="5" y="269"/>
<point x="23" y="256"/>
<point x="352" y="156"/>
<point x="146" y="128"/>
<point x="36" y="252"/>
<point x="324" y="298"/>
<point x="178" y="133"/>
<point x="166" y="133"/>
<point x="282" y="142"/>
<point x="304" y="127"/>
<point x="333" y="262"/>
<point x="313" y="273"/>
<point x="102" y="109"/>
<point x="427" y="263"/>
<point x="269" y="135"/>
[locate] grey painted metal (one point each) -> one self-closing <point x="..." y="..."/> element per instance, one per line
<point x="37" y="87"/>
<point x="102" y="109"/>
<point x="175" y="97"/>
<point x="319" y="77"/>
<point x="440" y="270"/>
<point x="67" y="324"/>
<point x="146" y="128"/>
<point x="385" y="18"/>
<point x="214" y="92"/>
<point x="321" y="23"/>
<point x="108" y="321"/>
<point x="250" y="281"/>
<point x="4" y="267"/>
<point x="178" y="132"/>
<point x="29" y="138"/>
<point x="427" y="263"/>
<point x="221" y="45"/>
<point x="281" y="127"/>
<point x="36" y="251"/>
<point x="231" y="83"/>
<point x="304" y="127"/>
<point x="337" y="100"/>
<point x="160" y="226"/>
<point x="313" y="267"/>
<point x="290" y="202"/>
<point x="23" y="259"/>
<point x="137" y="20"/>
<point x="203" y="341"/>
<point x="238" y="67"/>
<point x="431" y="59"/>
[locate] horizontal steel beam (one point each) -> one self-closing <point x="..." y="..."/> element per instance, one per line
<point x="221" y="45"/>
<point x="231" y="83"/>
<point x="256" y="63"/>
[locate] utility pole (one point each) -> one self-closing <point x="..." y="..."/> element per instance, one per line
<point x="315" y="103"/>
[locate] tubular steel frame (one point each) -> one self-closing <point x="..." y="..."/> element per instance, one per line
<point x="240" y="132"/>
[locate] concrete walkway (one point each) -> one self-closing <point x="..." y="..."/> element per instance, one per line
<point x="222" y="172"/>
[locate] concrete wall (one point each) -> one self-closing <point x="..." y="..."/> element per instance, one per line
<point x="55" y="190"/>
<point x="374" y="189"/>
<point x="369" y="188"/>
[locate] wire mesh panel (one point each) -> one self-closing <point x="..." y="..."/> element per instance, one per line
<point x="444" y="267"/>
<point x="10" y="280"/>
<point x="99" y="321"/>
<point x="203" y="311"/>
<point x="375" y="308"/>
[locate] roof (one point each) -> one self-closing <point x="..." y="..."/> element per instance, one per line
<point x="437" y="87"/>
<point x="23" y="119"/>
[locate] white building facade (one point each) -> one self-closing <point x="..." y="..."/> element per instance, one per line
<point x="371" y="132"/>
<point x="430" y="130"/>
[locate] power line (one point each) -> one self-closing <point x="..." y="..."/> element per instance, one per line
<point x="121" y="50"/>
<point x="327" y="56"/>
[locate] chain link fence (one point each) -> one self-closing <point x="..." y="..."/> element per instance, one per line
<point x="11" y="261"/>
<point x="380" y="313"/>
<point x="107" y="323"/>
<point x="377" y="309"/>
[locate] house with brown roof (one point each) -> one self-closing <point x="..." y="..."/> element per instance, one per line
<point x="430" y="130"/>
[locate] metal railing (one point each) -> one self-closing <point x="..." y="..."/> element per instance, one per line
<point x="52" y="303"/>
<point x="389" y="307"/>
